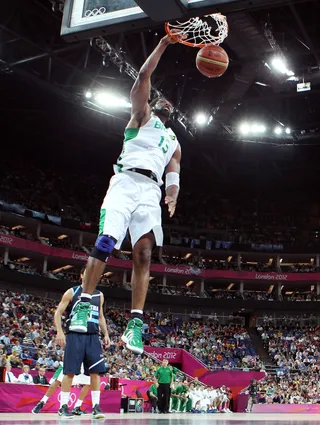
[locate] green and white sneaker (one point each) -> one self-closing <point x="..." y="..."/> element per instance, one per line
<point x="132" y="336"/>
<point x="79" y="321"/>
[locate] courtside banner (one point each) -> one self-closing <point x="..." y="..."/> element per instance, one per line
<point x="173" y="355"/>
<point x="21" y="398"/>
<point x="45" y="250"/>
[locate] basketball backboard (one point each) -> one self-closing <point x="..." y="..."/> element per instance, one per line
<point x="89" y="18"/>
<point x="83" y="19"/>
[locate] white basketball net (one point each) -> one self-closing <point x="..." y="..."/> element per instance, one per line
<point x="198" y="32"/>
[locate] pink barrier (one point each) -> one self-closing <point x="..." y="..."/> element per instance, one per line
<point x="129" y="386"/>
<point x="241" y="403"/>
<point x="286" y="408"/>
<point x="192" y="366"/>
<point x="236" y="380"/>
<point x="21" y="398"/>
<point x="49" y="251"/>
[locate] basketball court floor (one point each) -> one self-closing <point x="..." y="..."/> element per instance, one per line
<point x="170" y="419"/>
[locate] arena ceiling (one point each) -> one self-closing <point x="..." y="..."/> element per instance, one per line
<point x="43" y="81"/>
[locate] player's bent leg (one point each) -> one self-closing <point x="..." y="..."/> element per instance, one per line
<point x="95" y="266"/>
<point x="140" y="280"/>
<point x="112" y="226"/>
<point x="77" y="411"/>
<point x="40" y="405"/>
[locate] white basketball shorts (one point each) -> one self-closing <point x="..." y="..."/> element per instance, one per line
<point x="132" y="201"/>
<point x="81" y="379"/>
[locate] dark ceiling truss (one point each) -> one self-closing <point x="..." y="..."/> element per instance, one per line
<point x="80" y="64"/>
<point x="305" y="34"/>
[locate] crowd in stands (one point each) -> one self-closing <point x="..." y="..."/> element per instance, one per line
<point x="27" y="337"/>
<point x="301" y="296"/>
<point x="296" y="268"/>
<point x="59" y="191"/>
<point x="193" y="290"/>
<point x="294" y="349"/>
<point x="175" y="290"/>
<point x="290" y="388"/>
<point x="197" y="262"/>
<point x="292" y="321"/>
<point x="217" y="346"/>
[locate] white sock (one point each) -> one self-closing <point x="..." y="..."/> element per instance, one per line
<point x="64" y="397"/>
<point x="78" y="403"/>
<point x="44" y="399"/>
<point x="137" y="311"/>
<point x="95" y="395"/>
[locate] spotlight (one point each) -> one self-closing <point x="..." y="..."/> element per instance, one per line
<point x="261" y="128"/>
<point x="201" y="118"/>
<point x="88" y="94"/>
<point x="244" y="128"/>
<point x="279" y="64"/>
<point x="288" y="130"/>
<point x="255" y="128"/>
<point x="278" y="130"/>
<point x="109" y="100"/>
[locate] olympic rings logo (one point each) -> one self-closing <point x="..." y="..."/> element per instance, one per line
<point x="95" y="12"/>
<point x="71" y="400"/>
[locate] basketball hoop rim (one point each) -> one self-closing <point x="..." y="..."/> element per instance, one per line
<point x="188" y="43"/>
<point x="178" y="40"/>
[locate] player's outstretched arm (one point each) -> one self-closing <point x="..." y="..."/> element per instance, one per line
<point x="65" y="300"/>
<point x="103" y="324"/>
<point x="172" y="181"/>
<point x="140" y="92"/>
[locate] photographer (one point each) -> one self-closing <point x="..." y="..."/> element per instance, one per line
<point x="253" y="391"/>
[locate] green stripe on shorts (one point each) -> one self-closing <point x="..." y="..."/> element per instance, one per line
<point x="101" y="221"/>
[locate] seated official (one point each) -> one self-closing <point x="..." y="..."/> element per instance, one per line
<point x="40" y="378"/>
<point x="9" y="376"/>
<point x="25" y="377"/>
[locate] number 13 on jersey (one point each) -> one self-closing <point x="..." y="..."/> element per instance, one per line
<point x="165" y="147"/>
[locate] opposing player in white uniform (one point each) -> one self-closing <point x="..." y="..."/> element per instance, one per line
<point x="55" y="383"/>
<point x="133" y="198"/>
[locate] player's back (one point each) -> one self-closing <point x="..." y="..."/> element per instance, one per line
<point x="149" y="147"/>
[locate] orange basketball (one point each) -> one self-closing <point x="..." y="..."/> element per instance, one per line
<point x="212" y="61"/>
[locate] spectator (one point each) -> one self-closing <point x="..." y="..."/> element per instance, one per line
<point x="10" y="378"/>
<point x="17" y="347"/>
<point x="25" y="377"/>
<point x="40" y="378"/>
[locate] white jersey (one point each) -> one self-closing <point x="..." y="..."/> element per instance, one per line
<point x="149" y="147"/>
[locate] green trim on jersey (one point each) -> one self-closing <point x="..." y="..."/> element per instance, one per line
<point x="101" y="221"/>
<point x="130" y="133"/>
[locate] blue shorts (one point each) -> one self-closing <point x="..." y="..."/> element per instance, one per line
<point x="86" y="349"/>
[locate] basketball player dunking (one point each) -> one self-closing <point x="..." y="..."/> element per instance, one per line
<point x="81" y="348"/>
<point x="133" y="198"/>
